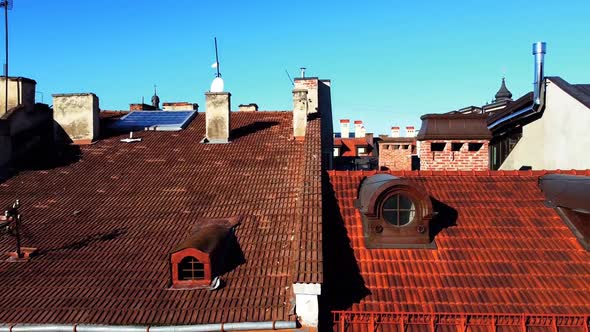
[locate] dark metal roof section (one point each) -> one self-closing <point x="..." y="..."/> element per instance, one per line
<point x="569" y="195"/>
<point x="453" y="126"/>
<point x="503" y="93"/>
<point x="513" y="107"/>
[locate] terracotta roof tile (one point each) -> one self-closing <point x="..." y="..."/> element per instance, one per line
<point x="507" y="253"/>
<point x="105" y="225"/>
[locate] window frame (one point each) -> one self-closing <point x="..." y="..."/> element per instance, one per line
<point x="193" y="261"/>
<point x="412" y="209"/>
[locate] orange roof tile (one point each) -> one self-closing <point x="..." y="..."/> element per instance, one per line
<point x="506" y="253"/>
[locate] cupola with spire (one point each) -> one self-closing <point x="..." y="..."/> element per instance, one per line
<point x="503" y="93"/>
<point x="155" y="99"/>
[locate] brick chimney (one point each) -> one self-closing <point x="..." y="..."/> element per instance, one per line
<point x="217" y="116"/>
<point x="300" y="109"/>
<point x="394" y="131"/>
<point x="76" y="117"/>
<point x="358" y="129"/>
<point x="248" y="107"/>
<point x="410" y="131"/>
<point x="344" y="128"/>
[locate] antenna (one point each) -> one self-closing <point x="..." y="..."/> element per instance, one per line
<point x="217" y="59"/>
<point x="7" y="4"/>
<point x="289" y="76"/>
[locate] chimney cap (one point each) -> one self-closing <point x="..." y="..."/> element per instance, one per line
<point x="358" y="121"/>
<point x="344" y="121"/>
<point x="395" y="127"/>
<point x="409" y="127"/>
<point x="539" y="47"/>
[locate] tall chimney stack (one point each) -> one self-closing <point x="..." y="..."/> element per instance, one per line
<point x="217" y="116"/>
<point x="394" y="131"/>
<point x="358" y="129"/>
<point x="410" y="132"/>
<point x="539" y="50"/>
<point x="299" y="113"/>
<point x="344" y="128"/>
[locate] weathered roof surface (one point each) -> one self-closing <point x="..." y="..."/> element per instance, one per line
<point x="449" y="126"/>
<point x="580" y="92"/>
<point x="499" y="251"/>
<point x="105" y="226"/>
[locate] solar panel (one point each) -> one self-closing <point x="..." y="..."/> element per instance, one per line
<point x="154" y="120"/>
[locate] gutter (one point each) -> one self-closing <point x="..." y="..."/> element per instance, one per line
<point x="539" y="50"/>
<point x="242" y="326"/>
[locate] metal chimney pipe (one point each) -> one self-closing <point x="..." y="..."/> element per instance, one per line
<point x="539" y="50"/>
<point x="302" y="72"/>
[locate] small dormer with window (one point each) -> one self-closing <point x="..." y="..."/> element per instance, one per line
<point x="395" y="213"/>
<point x="201" y="257"/>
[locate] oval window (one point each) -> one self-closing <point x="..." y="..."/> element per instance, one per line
<point x="398" y="210"/>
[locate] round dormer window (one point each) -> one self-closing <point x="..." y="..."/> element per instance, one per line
<point x="399" y="210"/>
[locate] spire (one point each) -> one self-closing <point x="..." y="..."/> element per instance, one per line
<point x="503" y="93"/>
<point x="155" y="99"/>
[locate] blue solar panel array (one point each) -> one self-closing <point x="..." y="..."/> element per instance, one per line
<point x="154" y="120"/>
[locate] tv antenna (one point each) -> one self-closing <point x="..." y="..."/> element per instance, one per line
<point x="12" y="215"/>
<point x="217" y="84"/>
<point x="7" y="4"/>
<point x="289" y="76"/>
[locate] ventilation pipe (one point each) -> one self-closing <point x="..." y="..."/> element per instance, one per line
<point x="539" y="50"/>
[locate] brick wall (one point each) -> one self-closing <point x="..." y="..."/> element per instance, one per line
<point x="396" y="156"/>
<point x="463" y="159"/>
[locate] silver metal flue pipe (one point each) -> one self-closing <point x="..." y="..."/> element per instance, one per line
<point x="539" y="50"/>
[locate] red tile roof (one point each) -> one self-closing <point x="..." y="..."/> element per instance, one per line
<point x="349" y="145"/>
<point x="105" y="226"/>
<point x="506" y="254"/>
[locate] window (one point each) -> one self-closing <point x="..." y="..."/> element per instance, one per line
<point x="437" y="146"/>
<point x="456" y="146"/>
<point x="361" y="150"/>
<point x="473" y="147"/>
<point x="191" y="269"/>
<point x="336" y="152"/>
<point x="399" y="210"/>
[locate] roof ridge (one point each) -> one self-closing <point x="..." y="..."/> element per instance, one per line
<point x="584" y="172"/>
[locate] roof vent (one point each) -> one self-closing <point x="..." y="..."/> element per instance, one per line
<point x="130" y="139"/>
<point x="200" y="259"/>
<point x="395" y="213"/>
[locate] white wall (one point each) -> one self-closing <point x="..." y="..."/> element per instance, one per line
<point x="560" y="139"/>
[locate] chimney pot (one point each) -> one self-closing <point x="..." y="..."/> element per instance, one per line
<point x="344" y="128"/>
<point x="252" y="107"/>
<point x="394" y="131"/>
<point x="410" y="132"/>
<point x="358" y="129"/>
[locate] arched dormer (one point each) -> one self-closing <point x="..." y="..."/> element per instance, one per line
<point x="395" y="212"/>
<point x="199" y="258"/>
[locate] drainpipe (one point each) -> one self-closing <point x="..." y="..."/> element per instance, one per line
<point x="242" y="326"/>
<point x="539" y="51"/>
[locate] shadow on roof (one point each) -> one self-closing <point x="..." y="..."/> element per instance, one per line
<point x="445" y="217"/>
<point x="87" y="241"/>
<point x="251" y="128"/>
<point x="343" y="283"/>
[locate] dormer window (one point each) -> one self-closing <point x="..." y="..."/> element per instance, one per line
<point x="395" y="212"/>
<point x="361" y="150"/>
<point x="204" y="254"/>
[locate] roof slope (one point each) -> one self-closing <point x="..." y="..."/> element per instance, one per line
<point x="105" y="226"/>
<point x="505" y="252"/>
<point x="581" y="92"/>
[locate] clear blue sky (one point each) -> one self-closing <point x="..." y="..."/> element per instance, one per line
<point x="389" y="61"/>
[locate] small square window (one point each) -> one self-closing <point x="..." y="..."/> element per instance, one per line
<point x="437" y="146"/>
<point x="336" y="152"/>
<point x="360" y="151"/>
<point x="473" y="147"/>
<point x="456" y="146"/>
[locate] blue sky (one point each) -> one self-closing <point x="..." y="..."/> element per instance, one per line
<point x="389" y="61"/>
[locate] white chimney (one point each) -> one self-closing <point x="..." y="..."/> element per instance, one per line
<point x="358" y="129"/>
<point x="394" y="131"/>
<point x="410" y="132"/>
<point x="344" y="128"/>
